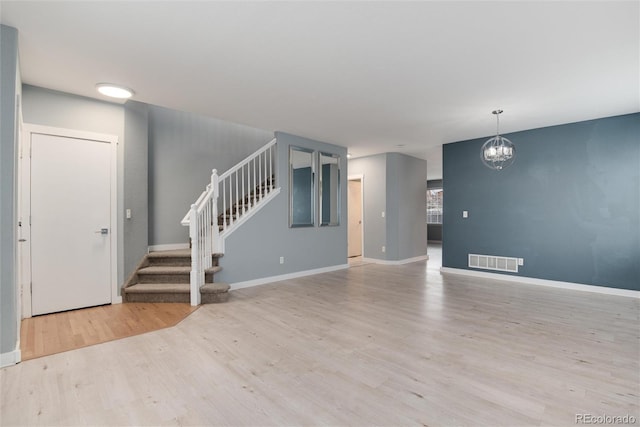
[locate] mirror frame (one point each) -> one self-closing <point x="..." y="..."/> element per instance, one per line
<point x="312" y="196"/>
<point x="320" y="189"/>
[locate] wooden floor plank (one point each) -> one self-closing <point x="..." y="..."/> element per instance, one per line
<point x="54" y="333"/>
<point x="370" y="345"/>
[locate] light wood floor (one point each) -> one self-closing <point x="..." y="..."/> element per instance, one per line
<point x="370" y="345"/>
<point x="58" y="332"/>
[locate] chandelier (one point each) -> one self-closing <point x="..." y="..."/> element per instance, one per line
<point x="498" y="152"/>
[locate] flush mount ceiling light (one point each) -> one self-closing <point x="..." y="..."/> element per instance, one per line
<point x="114" y="91"/>
<point x="498" y="152"/>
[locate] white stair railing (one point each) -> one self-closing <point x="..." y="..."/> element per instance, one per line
<point x="245" y="185"/>
<point x="240" y="191"/>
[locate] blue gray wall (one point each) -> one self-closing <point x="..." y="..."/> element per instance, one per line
<point x="136" y="175"/>
<point x="569" y="205"/>
<point x="9" y="91"/>
<point x="374" y="197"/>
<point x="254" y="250"/>
<point x="406" y="207"/>
<point x="183" y="149"/>
<point x="395" y="184"/>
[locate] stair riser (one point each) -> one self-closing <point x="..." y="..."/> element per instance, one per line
<point x="214" y="298"/>
<point x="157" y="297"/>
<point x="163" y="278"/>
<point x="171" y="297"/>
<point x="170" y="278"/>
<point x="176" y="262"/>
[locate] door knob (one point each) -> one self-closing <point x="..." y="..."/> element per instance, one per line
<point x="102" y="231"/>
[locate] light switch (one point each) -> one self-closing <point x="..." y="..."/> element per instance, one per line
<point x="382" y="214"/>
<point x="465" y="214"/>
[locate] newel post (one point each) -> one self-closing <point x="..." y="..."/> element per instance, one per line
<point x="194" y="278"/>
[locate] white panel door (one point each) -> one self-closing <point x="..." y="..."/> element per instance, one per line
<point x="70" y="223"/>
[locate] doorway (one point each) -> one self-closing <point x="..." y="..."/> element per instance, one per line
<point x="67" y="220"/>
<point x="355" y="240"/>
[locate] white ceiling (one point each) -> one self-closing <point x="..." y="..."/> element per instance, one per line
<point x="371" y="76"/>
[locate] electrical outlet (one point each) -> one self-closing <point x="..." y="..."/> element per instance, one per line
<point x="382" y="214"/>
<point x="384" y="249"/>
<point x="520" y="261"/>
<point x="128" y="213"/>
<point x="281" y="260"/>
<point x="465" y="214"/>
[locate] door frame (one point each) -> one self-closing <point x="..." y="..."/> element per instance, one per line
<point x="358" y="177"/>
<point x="24" y="207"/>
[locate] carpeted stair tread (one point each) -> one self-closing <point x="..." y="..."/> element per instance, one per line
<point x="153" y="288"/>
<point x="175" y="253"/>
<point x="214" y="288"/>
<point x="168" y="269"/>
<point x="165" y="269"/>
<point x="171" y="254"/>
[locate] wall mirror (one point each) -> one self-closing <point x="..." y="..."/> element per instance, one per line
<point x="329" y="189"/>
<point x="301" y="191"/>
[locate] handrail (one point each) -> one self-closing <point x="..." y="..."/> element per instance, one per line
<point x="238" y="191"/>
<point x="248" y="158"/>
<point x="185" y="220"/>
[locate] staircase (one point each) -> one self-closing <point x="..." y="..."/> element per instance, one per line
<point x="164" y="277"/>
<point x="187" y="275"/>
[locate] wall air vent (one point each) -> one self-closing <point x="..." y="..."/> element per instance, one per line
<point x="489" y="262"/>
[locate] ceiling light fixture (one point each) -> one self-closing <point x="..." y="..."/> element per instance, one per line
<point x="498" y="152"/>
<point x="114" y="91"/>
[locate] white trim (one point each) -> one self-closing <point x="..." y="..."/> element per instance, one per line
<point x="10" y="358"/>
<point x="24" y="189"/>
<point x="24" y="231"/>
<point x="543" y="282"/>
<point x="288" y="276"/>
<point x="169" y="247"/>
<point x="70" y="133"/>
<point x="396" y="262"/>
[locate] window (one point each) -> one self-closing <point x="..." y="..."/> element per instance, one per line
<point x="434" y="206"/>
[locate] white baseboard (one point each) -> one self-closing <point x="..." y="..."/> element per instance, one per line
<point x="288" y="276"/>
<point x="543" y="282"/>
<point x="398" y="262"/>
<point x="11" y="358"/>
<point x="170" y="247"/>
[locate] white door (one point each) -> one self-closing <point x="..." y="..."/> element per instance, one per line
<point x="354" y="244"/>
<point x="70" y="223"/>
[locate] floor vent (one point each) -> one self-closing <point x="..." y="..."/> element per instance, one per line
<point x="489" y="262"/>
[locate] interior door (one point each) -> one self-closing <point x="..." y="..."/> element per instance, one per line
<point x="70" y="223"/>
<point x="354" y="244"/>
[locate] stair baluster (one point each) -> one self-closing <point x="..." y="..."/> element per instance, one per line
<point x="207" y="230"/>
